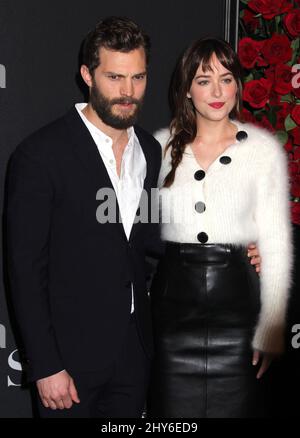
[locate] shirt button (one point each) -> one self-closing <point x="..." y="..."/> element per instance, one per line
<point x="225" y="160"/>
<point x="111" y="161"/>
<point x="241" y="135"/>
<point x="202" y="237"/>
<point x="107" y="140"/>
<point x="200" y="207"/>
<point x="199" y="175"/>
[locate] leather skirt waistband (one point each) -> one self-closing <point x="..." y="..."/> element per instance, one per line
<point x="206" y="253"/>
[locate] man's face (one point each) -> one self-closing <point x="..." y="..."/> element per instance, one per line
<point x="118" y="86"/>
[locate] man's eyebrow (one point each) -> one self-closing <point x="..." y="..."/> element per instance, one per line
<point x="113" y="73"/>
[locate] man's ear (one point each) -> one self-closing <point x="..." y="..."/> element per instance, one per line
<point x="86" y="76"/>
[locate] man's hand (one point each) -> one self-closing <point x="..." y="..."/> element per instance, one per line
<point x="255" y="257"/>
<point x="58" y="391"/>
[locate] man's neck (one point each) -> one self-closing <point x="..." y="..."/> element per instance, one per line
<point x="115" y="134"/>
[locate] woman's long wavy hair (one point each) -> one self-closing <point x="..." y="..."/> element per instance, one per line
<point x="184" y="126"/>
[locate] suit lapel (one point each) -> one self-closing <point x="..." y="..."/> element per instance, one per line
<point x="87" y="152"/>
<point x="146" y="186"/>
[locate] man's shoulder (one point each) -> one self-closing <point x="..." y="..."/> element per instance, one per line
<point x="45" y="140"/>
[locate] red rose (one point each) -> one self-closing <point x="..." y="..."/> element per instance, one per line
<point x="270" y="73"/>
<point x="274" y="98"/>
<point x="293" y="169"/>
<point x="264" y="123"/>
<point x="295" y="212"/>
<point x="281" y="115"/>
<point x="296" y="79"/>
<point x="277" y="49"/>
<point x="296" y="92"/>
<point x="257" y="92"/>
<point x="296" y="135"/>
<point x="295" y="189"/>
<point x="247" y="116"/>
<point x="297" y="153"/>
<point x="289" y="145"/>
<point x="250" y="20"/>
<point x="291" y="22"/>
<point x="296" y="114"/>
<point x="270" y="8"/>
<point x="249" y="51"/>
<point x="283" y="79"/>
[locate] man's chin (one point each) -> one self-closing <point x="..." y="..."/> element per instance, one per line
<point x="125" y="116"/>
<point x="124" y="113"/>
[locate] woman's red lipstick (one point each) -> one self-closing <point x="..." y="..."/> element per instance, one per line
<point x="216" y="105"/>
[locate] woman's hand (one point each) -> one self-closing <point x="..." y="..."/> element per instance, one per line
<point x="265" y="358"/>
<point x="254" y="256"/>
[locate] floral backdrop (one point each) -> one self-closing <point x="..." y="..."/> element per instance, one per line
<point x="269" y="50"/>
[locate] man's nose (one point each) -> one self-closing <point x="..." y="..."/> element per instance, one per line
<point x="127" y="88"/>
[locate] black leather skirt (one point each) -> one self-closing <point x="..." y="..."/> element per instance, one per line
<point x="205" y="301"/>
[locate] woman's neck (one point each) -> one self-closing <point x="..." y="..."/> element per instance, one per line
<point x="214" y="132"/>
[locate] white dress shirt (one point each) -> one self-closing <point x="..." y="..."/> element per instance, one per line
<point x="128" y="187"/>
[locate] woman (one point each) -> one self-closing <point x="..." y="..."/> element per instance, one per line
<point x="224" y="185"/>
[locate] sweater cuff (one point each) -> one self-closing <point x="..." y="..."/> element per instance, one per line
<point x="269" y="339"/>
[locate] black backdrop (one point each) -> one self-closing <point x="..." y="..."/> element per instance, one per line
<point x="39" y="45"/>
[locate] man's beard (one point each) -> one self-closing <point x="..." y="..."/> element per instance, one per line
<point x="103" y="108"/>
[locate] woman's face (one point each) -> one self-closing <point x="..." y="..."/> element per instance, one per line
<point x="213" y="92"/>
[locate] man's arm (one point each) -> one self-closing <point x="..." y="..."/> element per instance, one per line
<point x="29" y="207"/>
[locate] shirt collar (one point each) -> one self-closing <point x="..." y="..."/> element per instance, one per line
<point x="96" y="131"/>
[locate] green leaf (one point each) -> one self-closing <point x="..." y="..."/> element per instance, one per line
<point x="258" y="114"/>
<point x="295" y="44"/>
<point x="244" y="1"/>
<point x="287" y="98"/>
<point x="277" y="22"/>
<point x="295" y="47"/>
<point x="258" y="73"/>
<point x="289" y="123"/>
<point x="249" y="77"/>
<point x="272" y="117"/>
<point x="282" y="136"/>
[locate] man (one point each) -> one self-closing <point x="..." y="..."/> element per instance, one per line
<point x="78" y="282"/>
<point x="78" y="285"/>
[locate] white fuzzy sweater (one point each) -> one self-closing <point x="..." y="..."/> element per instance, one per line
<point x="245" y="200"/>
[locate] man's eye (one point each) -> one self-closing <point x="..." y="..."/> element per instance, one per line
<point x="139" y="77"/>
